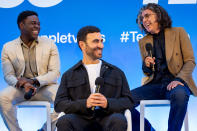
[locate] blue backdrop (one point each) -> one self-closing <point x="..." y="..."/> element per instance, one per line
<point x="61" y="20"/>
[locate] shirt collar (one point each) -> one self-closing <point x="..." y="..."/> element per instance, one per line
<point x="159" y="34"/>
<point x="22" y="43"/>
<point x="80" y="64"/>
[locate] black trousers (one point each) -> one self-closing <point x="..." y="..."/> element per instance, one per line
<point x="73" y="122"/>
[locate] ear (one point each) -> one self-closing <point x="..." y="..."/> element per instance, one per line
<point x="21" y="25"/>
<point x="82" y="45"/>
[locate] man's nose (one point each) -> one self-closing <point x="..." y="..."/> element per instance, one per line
<point x="37" y="25"/>
<point x="101" y="45"/>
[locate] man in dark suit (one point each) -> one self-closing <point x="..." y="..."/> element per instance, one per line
<point x="168" y="67"/>
<point x="76" y="97"/>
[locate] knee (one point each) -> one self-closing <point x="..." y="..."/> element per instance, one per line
<point x="180" y="96"/>
<point x="118" y="120"/>
<point x="2" y="101"/>
<point x="3" y="98"/>
<point x="8" y="95"/>
<point x="63" y="122"/>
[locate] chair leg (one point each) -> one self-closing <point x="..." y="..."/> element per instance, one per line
<point x="48" y="110"/>
<point x="142" y="117"/>
<point x="143" y="103"/>
<point x="186" y="123"/>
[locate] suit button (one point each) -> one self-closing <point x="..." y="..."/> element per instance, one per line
<point x="178" y="66"/>
<point x="177" y="54"/>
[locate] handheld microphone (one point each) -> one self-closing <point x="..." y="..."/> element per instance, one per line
<point x="28" y="94"/>
<point x="98" y="82"/>
<point x="149" y="49"/>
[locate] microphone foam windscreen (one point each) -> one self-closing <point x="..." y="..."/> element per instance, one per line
<point x="99" y="81"/>
<point x="149" y="47"/>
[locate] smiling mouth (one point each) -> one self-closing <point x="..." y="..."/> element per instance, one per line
<point x="147" y="25"/>
<point x="35" y="32"/>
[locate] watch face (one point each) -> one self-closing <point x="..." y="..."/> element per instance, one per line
<point x="36" y="82"/>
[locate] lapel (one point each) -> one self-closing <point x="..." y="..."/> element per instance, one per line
<point x="104" y="68"/>
<point x="146" y="39"/>
<point x="39" y="55"/>
<point x="169" y="43"/>
<point x="19" y="53"/>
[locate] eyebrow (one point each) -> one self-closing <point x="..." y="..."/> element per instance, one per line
<point x="97" y="40"/>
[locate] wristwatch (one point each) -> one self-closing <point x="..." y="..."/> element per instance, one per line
<point x="36" y="82"/>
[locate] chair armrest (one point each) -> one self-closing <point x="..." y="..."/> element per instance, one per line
<point x="127" y="114"/>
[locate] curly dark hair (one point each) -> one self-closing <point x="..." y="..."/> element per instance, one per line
<point x="163" y="18"/>
<point x="23" y="15"/>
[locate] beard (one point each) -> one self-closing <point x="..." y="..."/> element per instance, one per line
<point x="93" y="53"/>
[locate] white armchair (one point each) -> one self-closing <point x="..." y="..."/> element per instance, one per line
<point x="45" y="104"/>
<point x="156" y="103"/>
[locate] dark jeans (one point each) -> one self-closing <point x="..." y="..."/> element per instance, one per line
<point x="73" y="122"/>
<point x="179" y="97"/>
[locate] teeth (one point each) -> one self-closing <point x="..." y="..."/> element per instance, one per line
<point x="35" y="32"/>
